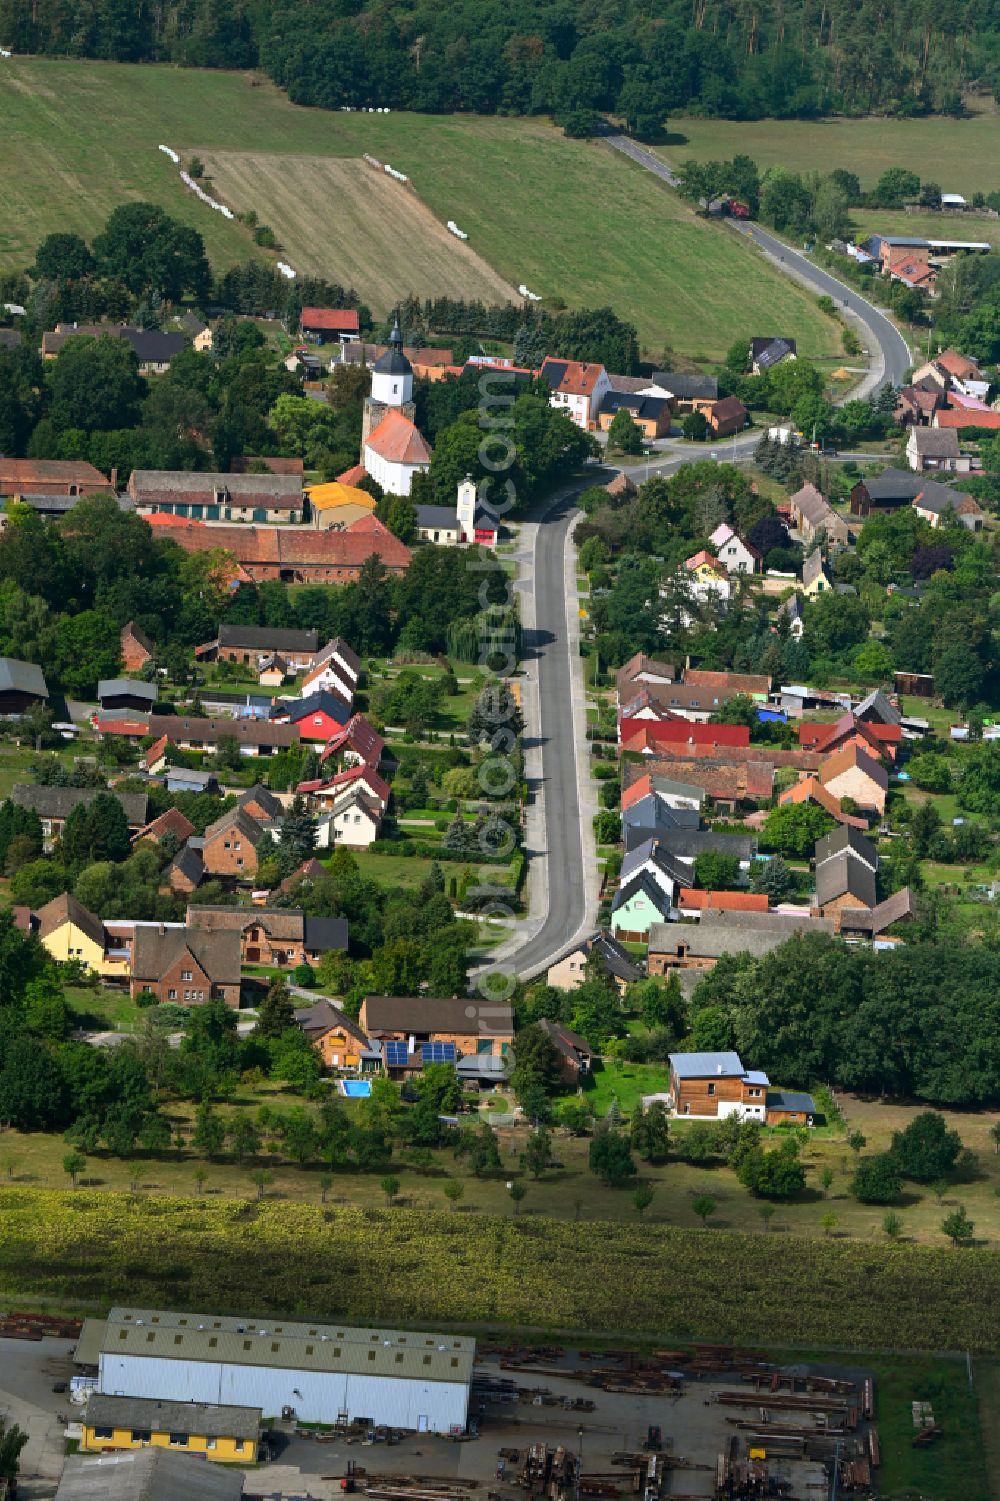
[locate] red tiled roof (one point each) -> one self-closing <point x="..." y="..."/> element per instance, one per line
<point x="578" y="378"/>
<point x="729" y="682"/>
<point x="958" y="365"/>
<point x="173" y="821"/>
<point x="811" y="790"/>
<point x="685" y="732"/>
<point x="357" y="735"/>
<point x="363" y="774"/>
<point x="636" y="792"/>
<point x="353" y="475"/>
<point x="336" y="320"/>
<point x="27" y="474"/>
<point x="963" y="417"/>
<point x="851" y="756"/>
<point x="723" y="901"/>
<point x="290" y="545"/>
<point x="397" y="440"/>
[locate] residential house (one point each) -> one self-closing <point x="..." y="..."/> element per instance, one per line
<point x="846" y="841"/>
<point x="54" y="805"/>
<point x="963" y="373"/>
<point x="937" y="504"/>
<point x="738" y="555"/>
<point x="282" y="937"/>
<point x="253" y="737"/>
<point x="916" y="406"/>
<point x="654" y="859"/>
<point x="687" y="390"/>
<point x="353" y="820"/>
<point x="730" y="786"/>
<point x="190" y="779"/>
<point x="755" y="685"/>
<point x="913" y="269"/>
<point x="854" y="773"/>
<point x="198" y="332"/>
<point x="248" y="643"/>
<point x="292" y="555"/>
<point x="879" y="739"/>
<point x="843" y="880"/>
<point x="815" y="579"/>
<point x="272" y="672"/>
<point x="712" y="1086"/>
<point x="126" y="693"/>
<point x="230" y="844"/>
<point x="570" y="970"/>
<point x="576" y="388"/>
<point x="769" y="350"/>
<point x="330" y="325"/>
<point x="185" y="872"/>
<point x="70" y="933"/>
<point x="320" y="716"/>
<point x="147" y="1475"/>
<point x="811" y="790"/>
<point x="186" y="966"/>
<point x="727" y="417"/>
<point x="641" y="671"/>
<point x="682" y="731"/>
<point x="812" y="514"/>
<point x="22" y="684"/>
<point x="336" y="506"/>
<point x="227" y="1435"/>
<point x="648" y="817"/>
<point x="323" y="794"/>
<point x="172" y="823"/>
<point x="677" y="797"/>
<point x="51" y="477"/>
<point x="707" y="577"/>
<point x="701" y="946"/>
<point x="651" y="414"/>
<point x="685" y="845"/>
<point x="217" y="497"/>
<point x="468" y="1026"/>
<point x="935" y="448"/>
<point x="310" y="870"/>
<point x="153" y="349"/>
<point x="341" y="1042"/>
<point x="335" y="669"/>
<point x="357" y="744"/>
<point x="639" y="902"/>
<point x="261" y="804"/>
<point x="136" y="647"/>
<point x="792" y="609"/>
<point x="576" y="1056"/>
<point x="394" y="451"/>
<point x="886" y="492"/>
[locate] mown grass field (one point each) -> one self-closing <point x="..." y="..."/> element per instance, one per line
<point x="570" y="219"/>
<point x="962" y="155"/>
<point x="342" y="219"/>
<point x="930" y="226"/>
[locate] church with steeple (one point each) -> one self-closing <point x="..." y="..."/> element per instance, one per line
<point x="392" y="448"/>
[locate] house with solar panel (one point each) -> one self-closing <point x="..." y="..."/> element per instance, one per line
<point x="413" y="1031"/>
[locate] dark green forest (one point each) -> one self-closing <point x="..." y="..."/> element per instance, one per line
<point x="731" y="58"/>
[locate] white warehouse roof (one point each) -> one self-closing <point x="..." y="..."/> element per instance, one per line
<point x="281" y="1343"/>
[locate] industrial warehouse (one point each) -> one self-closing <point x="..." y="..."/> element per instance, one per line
<point x="314" y="1373"/>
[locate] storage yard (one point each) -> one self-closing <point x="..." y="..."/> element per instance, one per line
<point x="704" y="1421"/>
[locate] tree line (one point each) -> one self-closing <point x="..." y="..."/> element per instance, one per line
<point x="640" y="62"/>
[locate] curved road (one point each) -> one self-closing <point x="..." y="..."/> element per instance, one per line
<point x="559" y="835"/>
<point x="890" y="351"/>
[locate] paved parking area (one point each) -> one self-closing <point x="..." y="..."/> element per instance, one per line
<point x="28" y="1371"/>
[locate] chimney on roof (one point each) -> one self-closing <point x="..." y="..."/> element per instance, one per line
<point x="719" y="1069"/>
<point x="114" y="476"/>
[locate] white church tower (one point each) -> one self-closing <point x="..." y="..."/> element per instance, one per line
<point x="392" y="373"/>
<point x="467" y="503"/>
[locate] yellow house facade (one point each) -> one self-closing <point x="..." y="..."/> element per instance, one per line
<point x="69" y="932"/>
<point x="227" y="1435"/>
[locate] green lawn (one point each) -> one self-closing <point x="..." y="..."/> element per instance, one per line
<point x="572" y="219"/>
<point x="962" y="155"/>
<point x="930" y="226"/>
<point x="395" y="870"/>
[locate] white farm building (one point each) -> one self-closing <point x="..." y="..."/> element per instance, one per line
<point x="323" y="1373"/>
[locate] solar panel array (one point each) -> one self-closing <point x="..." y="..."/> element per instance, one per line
<point x="396" y="1055"/>
<point x="437" y="1052"/>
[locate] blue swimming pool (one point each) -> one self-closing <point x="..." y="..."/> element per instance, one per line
<point x="355" y="1088"/>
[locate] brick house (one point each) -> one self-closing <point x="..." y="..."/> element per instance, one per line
<point x="279" y="936"/>
<point x="54" y="805"/>
<point x="261" y="804"/>
<point x="184" y="966"/>
<point x="173" y="821"/>
<point x="136" y="647"/>
<point x="472" y="1027"/>
<point x="852" y="772"/>
<point x="185" y="872"/>
<point x="575" y="1054"/>
<point x="341" y="1042"/>
<point x="249" y="643"/>
<point x="726" y="417"/>
<point x="229" y="849"/>
<point x="291" y="554"/>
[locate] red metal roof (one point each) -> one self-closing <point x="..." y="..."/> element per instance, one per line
<point x="336" y="320"/>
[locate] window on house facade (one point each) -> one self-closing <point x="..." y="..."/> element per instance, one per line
<point x="104" y="1433"/>
<point x="171" y="995"/>
<point x="186" y="974"/>
<point x="711" y="1089"/>
<point x="178" y="1441"/>
<point x="141" y="1435"/>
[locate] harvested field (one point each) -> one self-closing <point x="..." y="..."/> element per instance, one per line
<point x="340" y="218"/>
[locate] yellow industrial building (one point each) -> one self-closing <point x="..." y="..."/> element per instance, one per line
<point x="229" y="1435"/>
